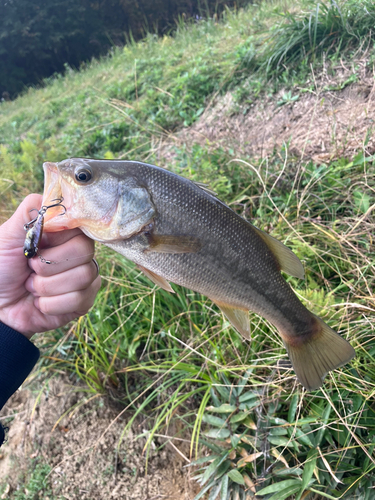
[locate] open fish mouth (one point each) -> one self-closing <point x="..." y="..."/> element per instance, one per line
<point x="56" y="218"/>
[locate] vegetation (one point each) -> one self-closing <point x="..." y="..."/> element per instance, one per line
<point x="252" y="427"/>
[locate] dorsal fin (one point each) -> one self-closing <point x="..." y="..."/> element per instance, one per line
<point x="288" y="261"/>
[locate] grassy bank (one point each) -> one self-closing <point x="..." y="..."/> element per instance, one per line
<point x="175" y="356"/>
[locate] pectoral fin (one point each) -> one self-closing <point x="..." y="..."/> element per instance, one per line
<point x="288" y="261"/>
<point x="158" y="280"/>
<point x="173" y="244"/>
<point x="238" y="318"/>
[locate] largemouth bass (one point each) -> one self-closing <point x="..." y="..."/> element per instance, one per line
<point x="176" y="231"/>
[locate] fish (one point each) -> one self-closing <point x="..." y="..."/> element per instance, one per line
<point x="176" y="231"/>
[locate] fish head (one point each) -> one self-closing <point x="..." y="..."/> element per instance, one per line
<point x="108" y="204"/>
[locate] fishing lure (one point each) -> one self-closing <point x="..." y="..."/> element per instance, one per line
<point x="34" y="234"/>
<point x="34" y="230"/>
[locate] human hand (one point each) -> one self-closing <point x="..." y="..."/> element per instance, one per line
<point x="35" y="296"/>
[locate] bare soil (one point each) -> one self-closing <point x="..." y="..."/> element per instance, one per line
<point x="88" y="455"/>
<point x="332" y="117"/>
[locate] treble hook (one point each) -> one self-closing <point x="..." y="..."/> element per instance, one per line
<point x="32" y="222"/>
<point x="58" y="204"/>
<point x="43" y="210"/>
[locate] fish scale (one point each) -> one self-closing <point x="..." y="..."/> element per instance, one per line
<point x="177" y="232"/>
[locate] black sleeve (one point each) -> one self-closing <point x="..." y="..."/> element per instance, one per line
<point x="17" y="358"/>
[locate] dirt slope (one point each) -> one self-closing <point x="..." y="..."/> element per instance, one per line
<point x="332" y="117"/>
<point x="82" y="448"/>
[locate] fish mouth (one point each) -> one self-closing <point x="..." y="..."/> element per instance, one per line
<point x="56" y="218"/>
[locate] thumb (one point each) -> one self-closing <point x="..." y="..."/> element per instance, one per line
<point x="12" y="233"/>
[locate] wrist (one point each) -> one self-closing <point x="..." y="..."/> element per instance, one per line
<point x="14" y="325"/>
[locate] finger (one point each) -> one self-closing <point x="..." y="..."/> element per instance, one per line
<point x="71" y="254"/>
<point x="72" y="280"/>
<point x="74" y="302"/>
<point x="58" y="238"/>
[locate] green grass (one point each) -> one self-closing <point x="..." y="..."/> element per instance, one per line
<point x="328" y="27"/>
<point x="33" y="481"/>
<point x="175" y="356"/>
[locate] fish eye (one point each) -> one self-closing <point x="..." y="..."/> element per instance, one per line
<point x="83" y="175"/>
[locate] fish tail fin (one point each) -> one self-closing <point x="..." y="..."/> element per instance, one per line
<point x="326" y="350"/>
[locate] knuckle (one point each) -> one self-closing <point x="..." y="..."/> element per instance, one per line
<point x="86" y="246"/>
<point x="40" y="268"/>
<point x="44" y="306"/>
<point x="40" y="286"/>
<point x="86" y="275"/>
<point x="97" y="284"/>
<point x="80" y="302"/>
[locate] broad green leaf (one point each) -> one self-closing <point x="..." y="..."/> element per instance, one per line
<point x="282" y="495"/>
<point x="238" y="417"/>
<point x="244" y="380"/>
<point x="248" y="405"/>
<point x="306" y="420"/>
<point x="277" y="487"/>
<point x="217" y="433"/>
<point x="280" y="441"/>
<point x="223" y="391"/>
<point x="325" y="418"/>
<point x="204" y="490"/>
<point x="215" y="492"/>
<point x="222" y="469"/>
<point x="308" y="470"/>
<point x="212" y="420"/>
<point x="224" y="487"/>
<point x="236" y="476"/>
<point x="212" y="468"/>
<point x="277" y="421"/>
<point x="202" y="460"/>
<point x="225" y="408"/>
<point x="293" y="408"/>
<point x="246" y="396"/>
<point x="303" y="438"/>
<point x="235" y="439"/>
<point x="293" y="471"/>
<point x="361" y="200"/>
<point x="278" y="431"/>
<point x="214" y="397"/>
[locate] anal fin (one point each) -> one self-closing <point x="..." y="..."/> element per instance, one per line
<point x="155" y="278"/>
<point x="238" y="318"/>
<point x="173" y="243"/>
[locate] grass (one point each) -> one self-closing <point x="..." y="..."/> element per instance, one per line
<point x="252" y="428"/>
<point x="329" y="27"/>
<point x="34" y="482"/>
